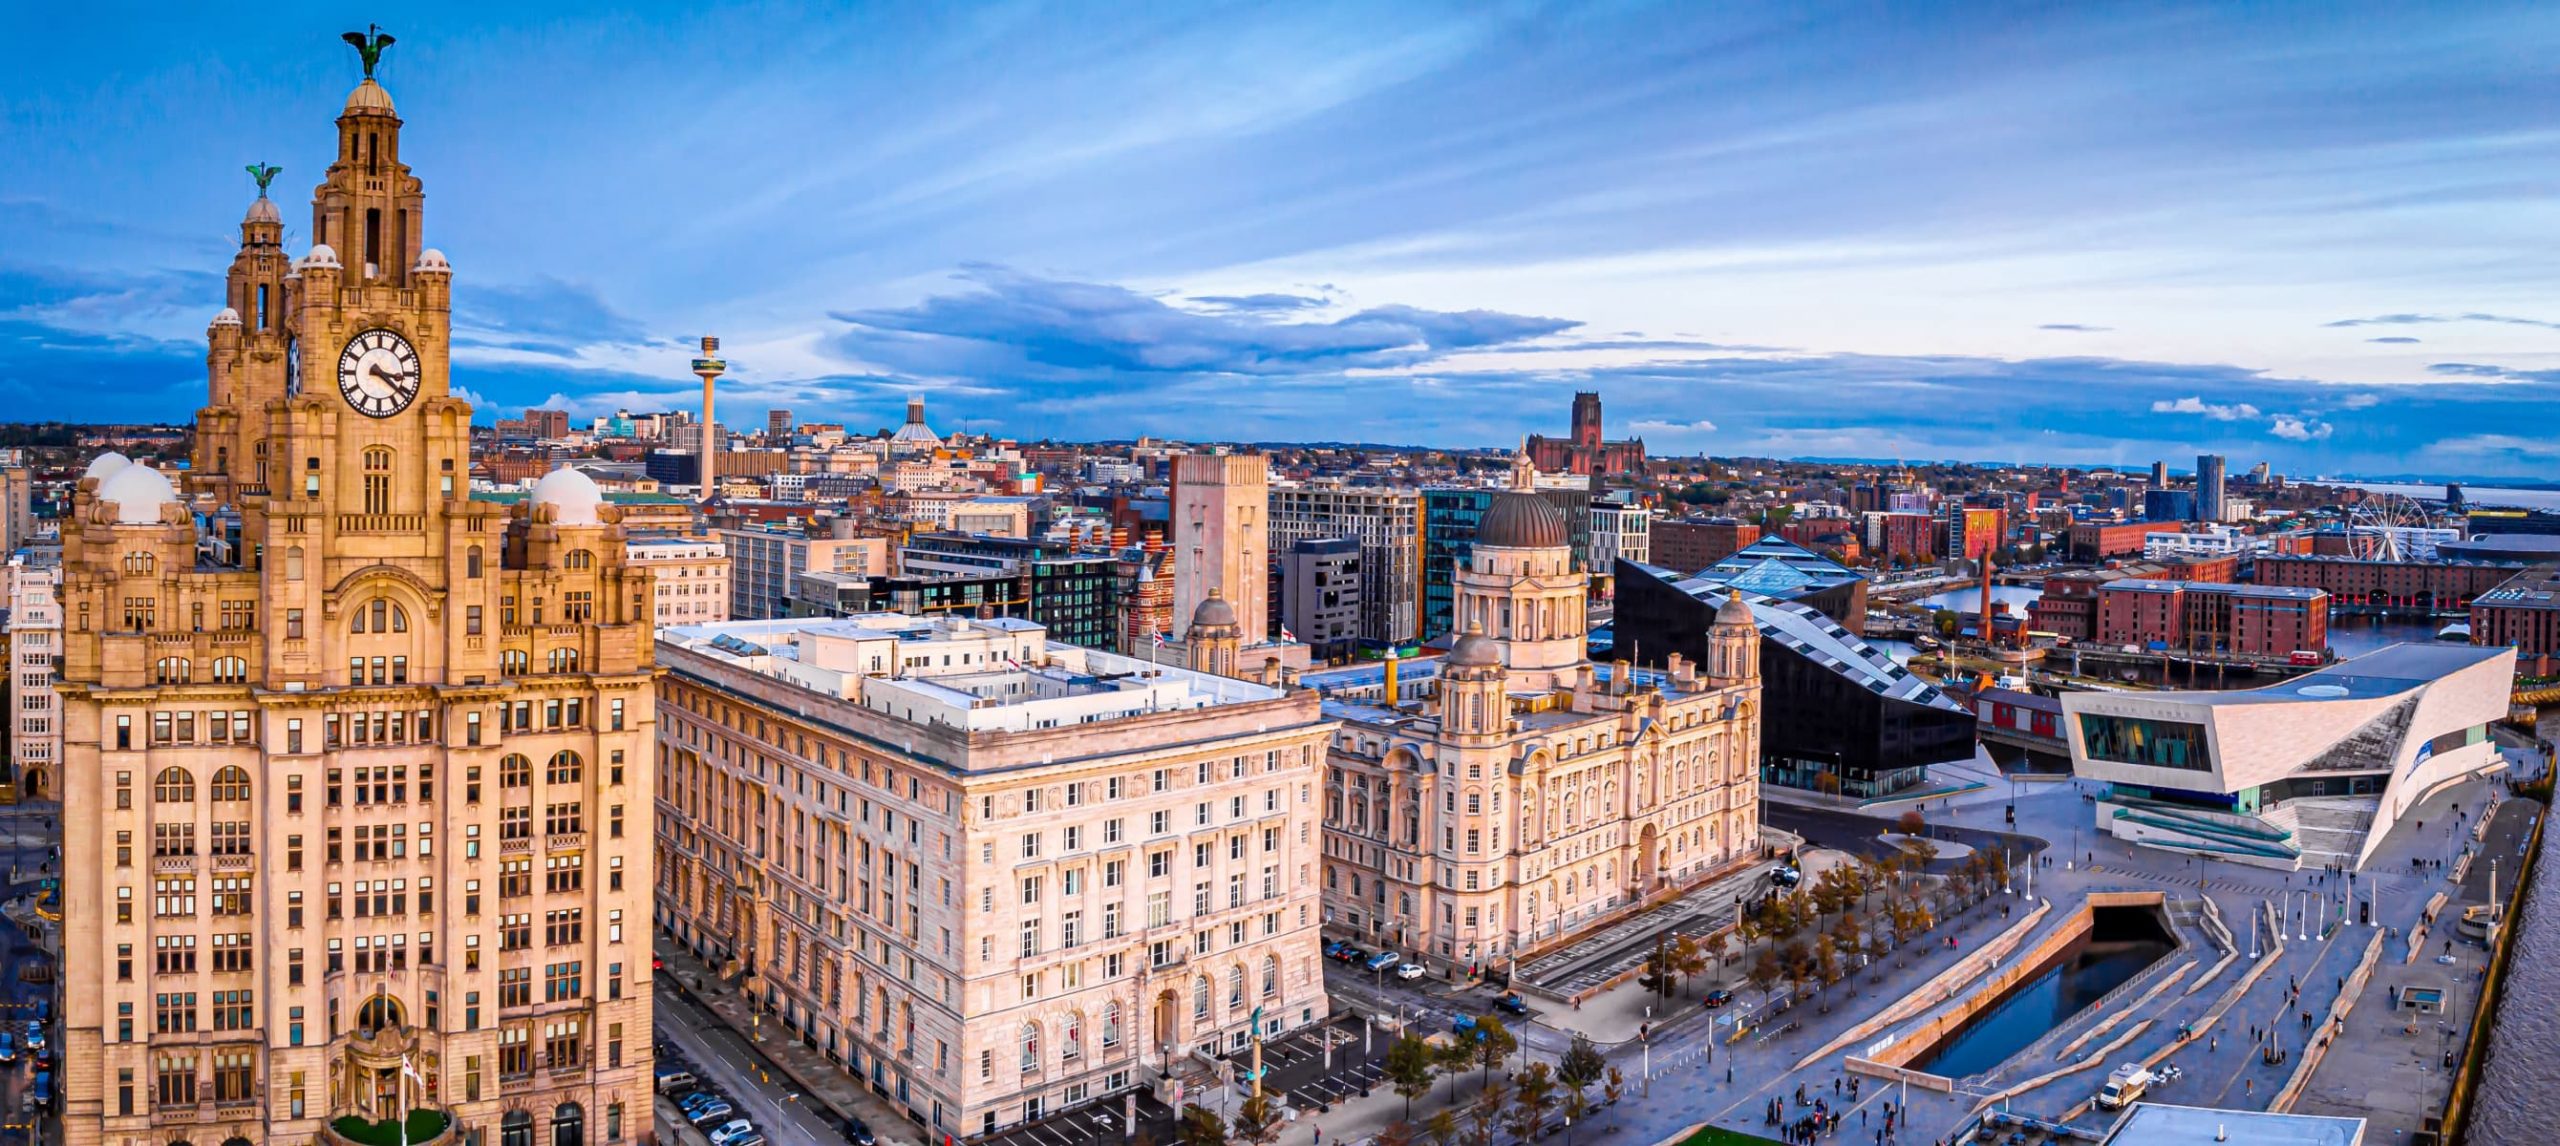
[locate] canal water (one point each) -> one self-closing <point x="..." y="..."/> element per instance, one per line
<point x="2518" y="1093"/>
<point x="2121" y="942"/>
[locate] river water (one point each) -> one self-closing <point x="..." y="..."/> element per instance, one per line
<point x="2518" y="1100"/>
<point x="2125" y="941"/>
<point x="2471" y="495"/>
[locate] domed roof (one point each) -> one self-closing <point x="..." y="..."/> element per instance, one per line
<point x="1214" y="610"/>
<point x="1520" y="520"/>
<point x="369" y="96"/>
<point x="263" y="210"/>
<point x="226" y="317"/>
<point x="432" y="259"/>
<point x="572" y="496"/>
<point x="1474" y="650"/>
<point x="104" y="464"/>
<point x="138" y="493"/>
<point x="322" y="255"/>
<point x="1733" y="612"/>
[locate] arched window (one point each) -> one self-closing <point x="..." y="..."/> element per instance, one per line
<point x="230" y="670"/>
<point x="231" y="784"/>
<point x="1110" y="1025"/>
<point x="515" y="771"/>
<point x="565" y="768"/>
<point x="516" y="1129"/>
<point x="564" y="660"/>
<point x="1200" y="997"/>
<point x="293" y="564"/>
<point x="380" y="1013"/>
<point x="1235" y="986"/>
<point x="515" y="662"/>
<point x="581" y="559"/>
<point x="1030" y="1047"/>
<point x="1270" y="975"/>
<point x="377" y="479"/>
<point x="175" y="786"/>
<point x="569" y="1125"/>
<point x="471" y="563"/>
<point x="172" y="670"/>
<point x="1071" y="1040"/>
<point x="140" y="562"/>
<point x="381" y="615"/>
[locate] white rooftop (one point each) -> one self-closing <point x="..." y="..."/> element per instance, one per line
<point x="993" y="674"/>
<point x="2156" y="1124"/>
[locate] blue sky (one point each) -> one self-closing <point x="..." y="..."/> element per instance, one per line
<point x="2315" y="234"/>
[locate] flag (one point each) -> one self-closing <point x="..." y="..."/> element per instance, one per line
<point x="1288" y="636"/>
<point x="1159" y="639"/>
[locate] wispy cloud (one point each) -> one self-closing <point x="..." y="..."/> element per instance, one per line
<point x="2435" y="319"/>
<point x="1664" y="426"/>
<point x="2393" y="340"/>
<point x="2078" y="327"/>
<point x="2232" y="412"/>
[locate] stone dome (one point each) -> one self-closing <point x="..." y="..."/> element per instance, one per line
<point x="105" y="464"/>
<point x="138" y="492"/>
<point x="1734" y="612"/>
<point x="1214" y="610"/>
<point x="263" y="210"/>
<point x="1520" y="520"/>
<point x="432" y="259"/>
<point x="572" y="496"/>
<point x="369" y="97"/>
<point x="227" y="317"/>
<point x="322" y="255"/>
<point x="1474" y="650"/>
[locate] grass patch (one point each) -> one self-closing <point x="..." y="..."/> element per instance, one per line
<point x="423" y="1125"/>
<point x="1719" y="1136"/>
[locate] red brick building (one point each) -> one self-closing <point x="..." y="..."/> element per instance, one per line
<point x="1691" y="544"/>
<point x="2435" y="586"/>
<point x="2524" y="612"/>
<point x="2202" y="617"/>
<point x="1903" y="538"/>
<point x="2089" y="544"/>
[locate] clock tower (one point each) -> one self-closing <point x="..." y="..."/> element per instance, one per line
<point x="358" y="768"/>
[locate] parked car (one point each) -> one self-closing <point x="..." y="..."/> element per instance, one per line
<point x="696" y="1100"/>
<point x="1351" y="954"/>
<point x="1382" y="960"/>
<point x="8" y="1047"/>
<point x="859" y="1133"/>
<point x="1334" y="949"/>
<point x="710" y="1112"/>
<point x="732" y="1132"/>
<point x="35" y="1035"/>
<point x="1411" y="971"/>
<point x="43" y="1092"/>
<point x="1719" y="997"/>
<point x="1786" y="875"/>
<point x="1463" y="1024"/>
<point x="671" y="1081"/>
<point x="1512" y="1004"/>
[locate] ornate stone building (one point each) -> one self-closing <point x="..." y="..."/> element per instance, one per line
<point x="996" y="875"/>
<point x="354" y="808"/>
<point x="1532" y="794"/>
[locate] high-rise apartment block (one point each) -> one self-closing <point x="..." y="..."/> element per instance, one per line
<point x="34" y="576"/>
<point x="997" y="875"/>
<point x="764" y="560"/>
<point x="1220" y="502"/>
<point x="1320" y="594"/>
<point x="2209" y="489"/>
<point x="1386" y="523"/>
<point x="777" y="424"/>
<point x="353" y="825"/>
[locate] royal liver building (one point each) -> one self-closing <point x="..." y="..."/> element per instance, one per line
<point x="355" y="767"/>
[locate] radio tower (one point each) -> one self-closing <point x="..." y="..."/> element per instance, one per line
<point x="709" y="368"/>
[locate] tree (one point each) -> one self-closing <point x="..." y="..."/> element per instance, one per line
<point x="1532" y="1097"/>
<point x="1765" y="970"/>
<point x="1201" y="1126"/>
<point x="1613" y="1090"/>
<point x="1581" y="1064"/>
<point x="1409" y="1067"/>
<point x="1257" y="1121"/>
<point x="1659" y="976"/>
<point x="1687" y="959"/>
<point x="1486" y="1112"/>
<point x="1441" y="1129"/>
<point x="1494" y="1044"/>
<point x="1911" y="823"/>
<point x="1399" y="1133"/>
<point x="1454" y="1059"/>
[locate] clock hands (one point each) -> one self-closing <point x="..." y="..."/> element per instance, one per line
<point x="375" y="370"/>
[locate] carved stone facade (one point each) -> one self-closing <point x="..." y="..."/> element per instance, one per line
<point x="354" y="808"/>
<point x="1533" y="794"/>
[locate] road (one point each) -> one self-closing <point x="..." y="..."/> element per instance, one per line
<point x="28" y="835"/>
<point x="733" y="1068"/>
<point x="1856" y="832"/>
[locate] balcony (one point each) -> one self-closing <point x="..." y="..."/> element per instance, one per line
<point x="409" y="523"/>
<point x="565" y="841"/>
<point x="234" y="863"/>
<point x="515" y="847"/>
<point x="173" y="865"/>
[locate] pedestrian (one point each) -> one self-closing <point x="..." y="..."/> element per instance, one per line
<point x="1319" y="1136"/>
<point x="1835" y="1086"/>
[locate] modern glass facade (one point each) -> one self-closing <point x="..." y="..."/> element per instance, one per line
<point x="2145" y="741"/>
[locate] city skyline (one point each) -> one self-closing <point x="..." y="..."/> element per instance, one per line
<point x="2096" y="238"/>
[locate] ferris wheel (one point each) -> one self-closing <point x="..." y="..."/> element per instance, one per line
<point x="2387" y="527"/>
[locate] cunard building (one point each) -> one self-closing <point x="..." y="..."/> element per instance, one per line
<point x="356" y="802"/>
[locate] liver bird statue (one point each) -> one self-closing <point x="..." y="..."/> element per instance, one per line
<point x="369" y="44"/>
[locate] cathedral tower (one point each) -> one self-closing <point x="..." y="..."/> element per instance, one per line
<point x="321" y="782"/>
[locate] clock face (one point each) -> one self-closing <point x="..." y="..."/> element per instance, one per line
<point x="378" y="373"/>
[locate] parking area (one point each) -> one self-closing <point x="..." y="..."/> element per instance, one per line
<point x="1322" y="1066"/>
<point x="1102" y="1124"/>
